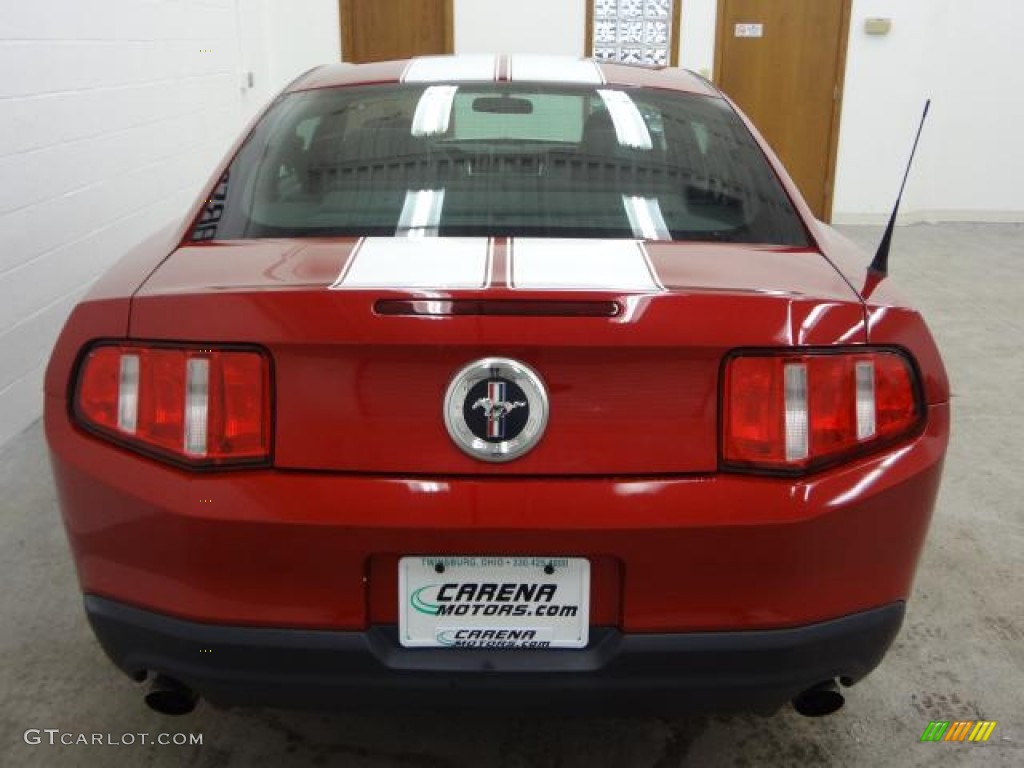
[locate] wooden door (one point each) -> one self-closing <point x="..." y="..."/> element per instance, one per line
<point x="379" y="30"/>
<point x="782" y="61"/>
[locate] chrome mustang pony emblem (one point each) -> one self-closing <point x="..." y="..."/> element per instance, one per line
<point x="496" y="407"/>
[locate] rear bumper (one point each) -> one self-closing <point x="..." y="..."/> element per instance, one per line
<point x="319" y="551"/>
<point x="701" y="671"/>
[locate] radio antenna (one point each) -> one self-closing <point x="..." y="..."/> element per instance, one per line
<point x="880" y="264"/>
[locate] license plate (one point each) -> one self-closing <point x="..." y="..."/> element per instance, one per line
<point x="494" y="602"/>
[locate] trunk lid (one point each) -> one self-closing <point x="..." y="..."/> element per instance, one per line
<point x="365" y="340"/>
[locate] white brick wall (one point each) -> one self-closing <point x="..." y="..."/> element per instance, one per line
<point x="112" y="115"/>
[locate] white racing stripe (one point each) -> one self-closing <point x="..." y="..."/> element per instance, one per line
<point x="562" y="69"/>
<point x="427" y="263"/>
<point x="580" y="265"/>
<point x="440" y="69"/>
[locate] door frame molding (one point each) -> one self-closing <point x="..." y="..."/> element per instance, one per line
<point x="348" y="41"/>
<point x="837" y="102"/>
<point x="673" y="54"/>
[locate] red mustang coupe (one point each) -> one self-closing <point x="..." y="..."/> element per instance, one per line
<point x="497" y="381"/>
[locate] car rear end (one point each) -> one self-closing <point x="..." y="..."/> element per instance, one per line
<point x="723" y="463"/>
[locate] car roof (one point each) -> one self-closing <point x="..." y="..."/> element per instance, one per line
<point x="465" y="68"/>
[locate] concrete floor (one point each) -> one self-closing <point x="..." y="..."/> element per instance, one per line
<point x="959" y="656"/>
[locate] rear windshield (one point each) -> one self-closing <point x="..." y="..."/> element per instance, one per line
<point x="495" y="159"/>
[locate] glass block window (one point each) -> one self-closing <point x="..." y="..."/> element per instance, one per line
<point x="633" y="31"/>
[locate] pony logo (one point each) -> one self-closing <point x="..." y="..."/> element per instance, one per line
<point x="496" y="408"/>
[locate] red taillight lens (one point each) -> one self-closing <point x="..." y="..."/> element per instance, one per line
<point x="98" y="385"/>
<point x="204" y="406"/>
<point x="238" y="412"/>
<point x="894" y="409"/>
<point x="795" y="412"/>
<point x="754" y="428"/>
<point x="161" y="397"/>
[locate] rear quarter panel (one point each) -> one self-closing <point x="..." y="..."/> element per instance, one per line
<point x="889" y="315"/>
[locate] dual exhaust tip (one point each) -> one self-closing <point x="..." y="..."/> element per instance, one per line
<point x="171" y="697"/>
<point x="819" y="700"/>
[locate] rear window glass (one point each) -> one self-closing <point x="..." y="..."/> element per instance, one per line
<point x="494" y="159"/>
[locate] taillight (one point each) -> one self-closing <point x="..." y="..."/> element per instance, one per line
<point x="794" y="412"/>
<point x="199" y="405"/>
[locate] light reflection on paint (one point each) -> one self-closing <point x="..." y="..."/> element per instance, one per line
<point x="869" y="479"/>
<point x="637" y="488"/>
<point x="855" y="330"/>
<point x="812" y="319"/>
<point x="424" y="486"/>
<point x="876" y="316"/>
<point x="633" y="308"/>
